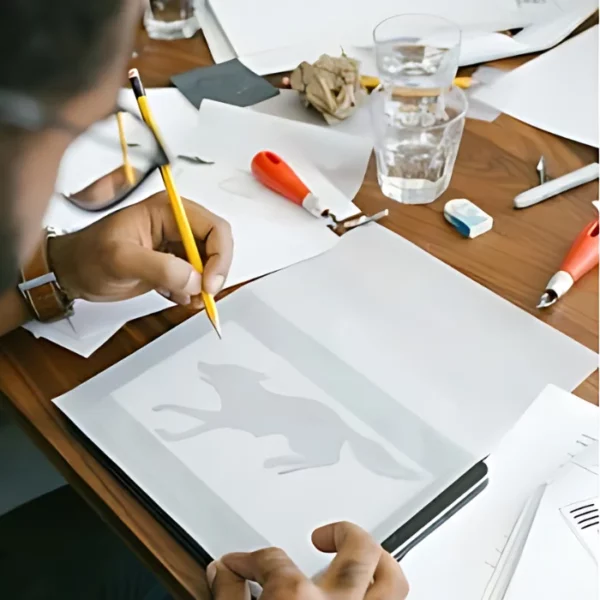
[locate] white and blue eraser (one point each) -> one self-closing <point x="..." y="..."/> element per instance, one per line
<point x="469" y="220"/>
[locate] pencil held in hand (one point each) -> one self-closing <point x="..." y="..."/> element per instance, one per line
<point x="183" y="224"/>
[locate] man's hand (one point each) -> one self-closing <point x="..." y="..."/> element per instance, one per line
<point x="138" y="249"/>
<point x="361" y="570"/>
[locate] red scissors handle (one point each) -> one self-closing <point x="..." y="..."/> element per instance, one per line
<point x="583" y="255"/>
<point x="275" y="174"/>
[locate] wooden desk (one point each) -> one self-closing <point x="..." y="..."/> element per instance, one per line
<point x="496" y="161"/>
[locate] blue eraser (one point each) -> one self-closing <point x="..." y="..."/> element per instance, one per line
<point x="469" y="220"/>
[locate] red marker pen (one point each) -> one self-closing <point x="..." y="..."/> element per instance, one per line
<point x="581" y="258"/>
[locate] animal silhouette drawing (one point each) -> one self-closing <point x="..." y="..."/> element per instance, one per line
<point x="315" y="433"/>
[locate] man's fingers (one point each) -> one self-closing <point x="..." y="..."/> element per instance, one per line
<point x="131" y="261"/>
<point x="390" y="583"/>
<point x="225" y="584"/>
<point x="219" y="254"/>
<point x="271" y="568"/>
<point x="214" y="232"/>
<point x="351" y="571"/>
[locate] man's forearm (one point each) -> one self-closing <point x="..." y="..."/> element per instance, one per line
<point x="13" y="311"/>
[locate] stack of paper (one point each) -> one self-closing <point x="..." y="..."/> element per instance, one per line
<point x="274" y="37"/>
<point x="270" y="233"/>
<point x="567" y="514"/>
<point x="463" y="559"/>
<point x="556" y="92"/>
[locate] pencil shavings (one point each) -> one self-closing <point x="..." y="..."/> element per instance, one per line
<point x="331" y="85"/>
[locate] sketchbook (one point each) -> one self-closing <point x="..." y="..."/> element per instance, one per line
<point x="323" y="410"/>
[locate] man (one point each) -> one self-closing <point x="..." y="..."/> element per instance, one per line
<point x="61" y="66"/>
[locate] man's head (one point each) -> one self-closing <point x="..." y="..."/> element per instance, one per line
<point x="70" y="55"/>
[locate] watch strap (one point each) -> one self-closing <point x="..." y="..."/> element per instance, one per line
<point x="40" y="288"/>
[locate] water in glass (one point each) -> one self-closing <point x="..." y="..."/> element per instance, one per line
<point x="418" y="117"/>
<point x="416" y="149"/>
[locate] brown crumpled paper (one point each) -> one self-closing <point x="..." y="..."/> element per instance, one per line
<point x="331" y="85"/>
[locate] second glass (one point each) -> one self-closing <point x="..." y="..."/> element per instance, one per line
<point x="418" y="117"/>
<point x="173" y="19"/>
<point x="417" y="51"/>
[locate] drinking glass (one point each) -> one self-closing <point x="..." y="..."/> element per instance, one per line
<point x="418" y="116"/>
<point x="416" y="151"/>
<point x="417" y="51"/>
<point x="173" y="19"/>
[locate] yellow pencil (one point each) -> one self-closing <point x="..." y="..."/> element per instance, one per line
<point x="187" y="236"/>
<point x="129" y="175"/>
<point x="371" y="83"/>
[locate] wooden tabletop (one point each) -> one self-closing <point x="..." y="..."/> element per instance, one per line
<point x="496" y="161"/>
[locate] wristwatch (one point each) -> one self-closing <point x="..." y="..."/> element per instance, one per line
<point x="40" y="288"/>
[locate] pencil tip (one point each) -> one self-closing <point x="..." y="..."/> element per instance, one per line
<point x="71" y="324"/>
<point x="133" y="73"/>
<point x="217" y="327"/>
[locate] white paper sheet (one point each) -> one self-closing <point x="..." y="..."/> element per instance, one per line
<point x="551" y="22"/>
<point x="477" y="109"/>
<point x="556" y="92"/>
<point x="263" y="25"/>
<point x="92" y="319"/>
<point x="554" y="548"/>
<point x="85" y="347"/>
<point x="444" y="336"/>
<point x="458" y="561"/>
<point x="269" y="232"/>
<point x="338" y="161"/>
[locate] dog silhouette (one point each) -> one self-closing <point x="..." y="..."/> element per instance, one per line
<point x="315" y="433"/>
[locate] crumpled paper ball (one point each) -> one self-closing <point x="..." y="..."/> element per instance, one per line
<point x="331" y="85"/>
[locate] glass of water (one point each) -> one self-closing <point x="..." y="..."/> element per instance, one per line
<point x="416" y="151"/>
<point x="417" y="51"/>
<point x="418" y="116"/>
<point x="173" y="19"/>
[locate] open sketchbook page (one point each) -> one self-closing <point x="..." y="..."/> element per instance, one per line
<point x="462" y="355"/>
<point x="258" y="439"/>
<point x="311" y="398"/>
<point x="459" y="562"/>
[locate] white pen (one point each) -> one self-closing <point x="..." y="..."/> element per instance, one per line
<point x="557" y="186"/>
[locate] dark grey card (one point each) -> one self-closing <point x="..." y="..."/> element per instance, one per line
<point x="230" y="82"/>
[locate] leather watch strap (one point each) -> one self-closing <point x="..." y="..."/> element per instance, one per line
<point x="40" y="288"/>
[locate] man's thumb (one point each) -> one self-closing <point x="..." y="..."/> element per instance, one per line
<point x="225" y="584"/>
<point x="160" y="270"/>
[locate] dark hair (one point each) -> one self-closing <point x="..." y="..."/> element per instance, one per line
<point x="52" y="50"/>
